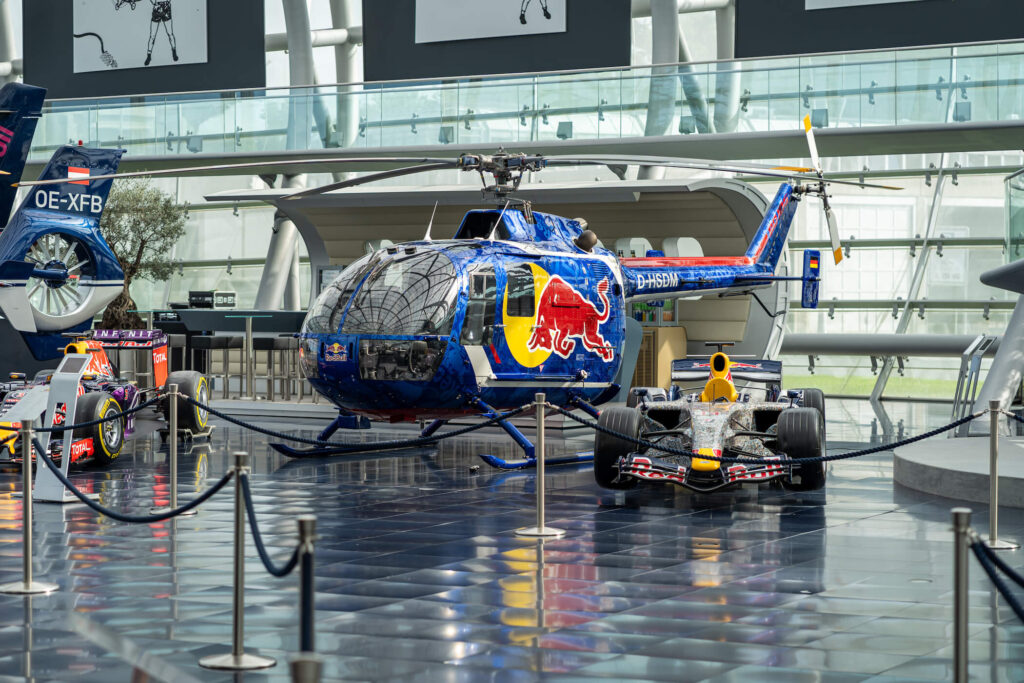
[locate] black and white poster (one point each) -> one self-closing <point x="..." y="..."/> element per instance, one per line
<point x="832" y="4"/>
<point x="135" y="34"/>
<point x="445" y="20"/>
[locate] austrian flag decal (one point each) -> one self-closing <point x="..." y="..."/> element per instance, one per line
<point x="76" y="172"/>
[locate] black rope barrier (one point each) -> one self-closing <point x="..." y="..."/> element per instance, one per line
<point x="1003" y="567"/>
<point x="257" y="538"/>
<point x="108" y="418"/>
<point x="748" y="461"/>
<point x="985" y="557"/>
<point x="1014" y="416"/>
<point x="341" y="448"/>
<point x="121" y="517"/>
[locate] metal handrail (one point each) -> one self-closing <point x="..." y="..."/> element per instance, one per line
<point x="567" y="72"/>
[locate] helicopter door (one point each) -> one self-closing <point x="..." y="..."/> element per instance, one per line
<point x="478" y="324"/>
<point x="523" y="284"/>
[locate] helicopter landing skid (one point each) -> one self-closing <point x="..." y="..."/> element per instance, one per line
<point x="571" y="459"/>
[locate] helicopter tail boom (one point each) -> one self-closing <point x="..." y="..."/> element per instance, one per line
<point x="659" y="276"/>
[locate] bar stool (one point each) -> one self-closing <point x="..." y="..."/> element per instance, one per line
<point x="290" y="370"/>
<point x="272" y="345"/>
<point x="209" y="343"/>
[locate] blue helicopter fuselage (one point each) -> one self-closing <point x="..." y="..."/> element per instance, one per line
<point x="435" y="329"/>
<point x="420" y="330"/>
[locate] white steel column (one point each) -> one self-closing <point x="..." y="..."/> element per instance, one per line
<point x="343" y="16"/>
<point x="6" y="40"/>
<point x="727" y="82"/>
<point x="933" y="218"/>
<point x="276" y="280"/>
<point x="277" y="277"/>
<point x="661" y="99"/>
<point x="292" y="293"/>
<point x="692" y="88"/>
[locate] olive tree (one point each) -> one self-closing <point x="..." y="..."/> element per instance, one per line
<point x="141" y="224"/>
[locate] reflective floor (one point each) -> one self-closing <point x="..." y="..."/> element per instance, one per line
<point x="420" y="578"/>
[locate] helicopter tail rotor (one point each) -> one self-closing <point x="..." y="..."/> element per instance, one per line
<point x="822" y="191"/>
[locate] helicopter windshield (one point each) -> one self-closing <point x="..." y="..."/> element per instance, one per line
<point x="415" y="295"/>
<point x="324" y="315"/>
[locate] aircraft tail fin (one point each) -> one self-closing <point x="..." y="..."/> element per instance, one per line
<point x="770" y="239"/>
<point x="20" y="108"/>
<point x="77" y="195"/>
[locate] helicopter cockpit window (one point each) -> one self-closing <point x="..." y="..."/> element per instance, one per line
<point x="478" y="326"/>
<point x="324" y="315"/>
<point x="480" y="224"/>
<point x="415" y="295"/>
<point x="520" y="291"/>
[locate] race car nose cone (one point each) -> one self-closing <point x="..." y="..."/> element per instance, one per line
<point x="702" y="465"/>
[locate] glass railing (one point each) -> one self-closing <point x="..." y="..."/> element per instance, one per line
<point x="976" y="82"/>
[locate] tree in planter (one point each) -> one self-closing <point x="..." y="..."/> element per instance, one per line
<point x="141" y="224"/>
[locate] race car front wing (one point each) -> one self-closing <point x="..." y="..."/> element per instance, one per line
<point x="649" y="468"/>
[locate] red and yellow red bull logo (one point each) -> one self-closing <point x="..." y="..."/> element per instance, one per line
<point x="563" y="318"/>
<point x="335" y="353"/>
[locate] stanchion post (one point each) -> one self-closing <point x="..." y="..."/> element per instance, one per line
<point x="961" y="527"/>
<point x="172" y="441"/>
<point x="306" y="666"/>
<point x="237" y="659"/>
<point x="27" y="585"/>
<point x="172" y="451"/>
<point x="993" y="481"/>
<point x="540" y="530"/>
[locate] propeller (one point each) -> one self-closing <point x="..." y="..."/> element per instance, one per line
<point x="830" y="217"/>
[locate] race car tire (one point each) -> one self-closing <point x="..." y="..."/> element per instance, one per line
<point x="814" y="398"/>
<point x="107" y="437"/>
<point x="608" y="449"/>
<point x="800" y="437"/>
<point x="652" y="394"/>
<point x="196" y="386"/>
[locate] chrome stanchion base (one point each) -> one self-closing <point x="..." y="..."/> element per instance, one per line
<point x="306" y="667"/>
<point x="187" y="513"/>
<point x="242" y="662"/>
<point x="34" y="588"/>
<point x="1002" y="545"/>
<point x="540" y="532"/>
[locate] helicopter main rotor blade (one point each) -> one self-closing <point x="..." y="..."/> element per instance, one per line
<point x="669" y="162"/>
<point x="249" y="164"/>
<point x="373" y="177"/>
<point x="642" y="160"/>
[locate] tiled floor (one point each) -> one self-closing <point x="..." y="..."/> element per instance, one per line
<point x="420" y="578"/>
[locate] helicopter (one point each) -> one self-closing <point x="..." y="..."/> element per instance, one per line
<point x="518" y="301"/>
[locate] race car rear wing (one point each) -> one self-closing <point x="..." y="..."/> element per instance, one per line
<point x="698" y="368"/>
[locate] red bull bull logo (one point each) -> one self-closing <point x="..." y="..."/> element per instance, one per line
<point x="565" y="315"/>
<point x="335" y="353"/>
<point x="562" y="319"/>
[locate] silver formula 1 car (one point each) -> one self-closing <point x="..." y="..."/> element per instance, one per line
<point x="774" y="429"/>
